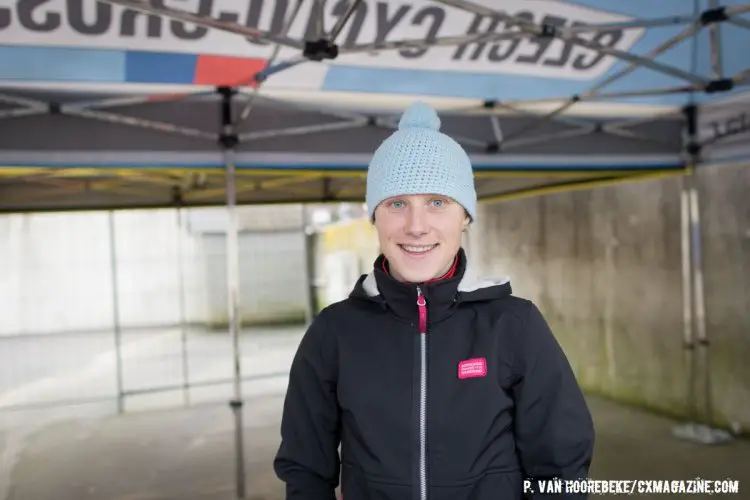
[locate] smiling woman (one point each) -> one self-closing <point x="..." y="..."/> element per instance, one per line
<point x="420" y="193"/>
<point x="420" y="235"/>
<point x="433" y="387"/>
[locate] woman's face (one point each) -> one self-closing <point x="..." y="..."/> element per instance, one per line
<point x="420" y="235"/>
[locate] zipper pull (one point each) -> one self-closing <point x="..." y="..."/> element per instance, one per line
<point x="422" y="308"/>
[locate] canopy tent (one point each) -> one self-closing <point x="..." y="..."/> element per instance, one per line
<point x="119" y="103"/>
<point x="124" y="103"/>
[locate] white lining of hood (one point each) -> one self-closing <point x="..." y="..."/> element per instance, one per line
<point x="370" y="285"/>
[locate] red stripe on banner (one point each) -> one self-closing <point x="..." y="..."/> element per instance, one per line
<point x="230" y="71"/>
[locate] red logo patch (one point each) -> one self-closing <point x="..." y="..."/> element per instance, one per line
<point x="470" y="368"/>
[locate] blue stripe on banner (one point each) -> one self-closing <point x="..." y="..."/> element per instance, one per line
<point x="157" y="67"/>
<point x="448" y="84"/>
<point x="489" y="86"/>
<point x="56" y="63"/>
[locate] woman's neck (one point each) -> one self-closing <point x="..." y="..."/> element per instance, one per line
<point x="448" y="274"/>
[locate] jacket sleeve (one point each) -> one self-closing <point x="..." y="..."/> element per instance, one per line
<point x="307" y="459"/>
<point x="553" y="425"/>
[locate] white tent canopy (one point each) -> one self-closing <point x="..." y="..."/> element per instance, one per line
<point x="119" y="103"/>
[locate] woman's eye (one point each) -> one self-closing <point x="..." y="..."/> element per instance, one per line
<point x="396" y="204"/>
<point x="438" y="203"/>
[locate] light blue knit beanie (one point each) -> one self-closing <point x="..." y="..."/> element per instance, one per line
<point x="419" y="159"/>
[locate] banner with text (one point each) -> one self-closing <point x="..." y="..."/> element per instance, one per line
<point x="724" y="129"/>
<point x="88" y="24"/>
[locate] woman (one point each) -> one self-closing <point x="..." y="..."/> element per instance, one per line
<point x="433" y="387"/>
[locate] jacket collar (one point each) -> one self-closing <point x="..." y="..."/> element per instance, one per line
<point x="442" y="296"/>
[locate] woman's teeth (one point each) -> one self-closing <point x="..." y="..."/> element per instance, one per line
<point x="418" y="248"/>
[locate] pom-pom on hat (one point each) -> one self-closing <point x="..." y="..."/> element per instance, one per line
<point x="419" y="159"/>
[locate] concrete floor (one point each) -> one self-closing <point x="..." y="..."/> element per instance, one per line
<point x="189" y="454"/>
<point x="40" y="369"/>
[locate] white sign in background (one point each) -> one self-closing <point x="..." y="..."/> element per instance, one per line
<point x="90" y="24"/>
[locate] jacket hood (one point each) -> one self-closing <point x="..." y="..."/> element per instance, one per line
<point x="443" y="295"/>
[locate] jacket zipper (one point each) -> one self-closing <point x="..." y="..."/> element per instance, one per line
<point x="422" y="308"/>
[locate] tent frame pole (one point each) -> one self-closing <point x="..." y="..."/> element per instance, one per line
<point x="181" y="228"/>
<point x="694" y="309"/>
<point x="717" y="63"/>
<point x="739" y="22"/>
<point x="117" y="324"/>
<point x="228" y="141"/>
<point x="687" y="302"/>
<point x="308" y="235"/>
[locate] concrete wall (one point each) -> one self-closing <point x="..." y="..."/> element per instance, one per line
<point x="605" y="268"/>
<point x="273" y="285"/>
<point x="55" y="269"/>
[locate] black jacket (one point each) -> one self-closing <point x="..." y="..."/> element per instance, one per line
<point x="485" y="399"/>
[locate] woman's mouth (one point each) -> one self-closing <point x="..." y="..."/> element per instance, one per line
<point x="418" y="250"/>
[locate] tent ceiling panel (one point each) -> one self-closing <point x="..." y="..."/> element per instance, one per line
<point x="74" y="133"/>
<point x="193" y="125"/>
